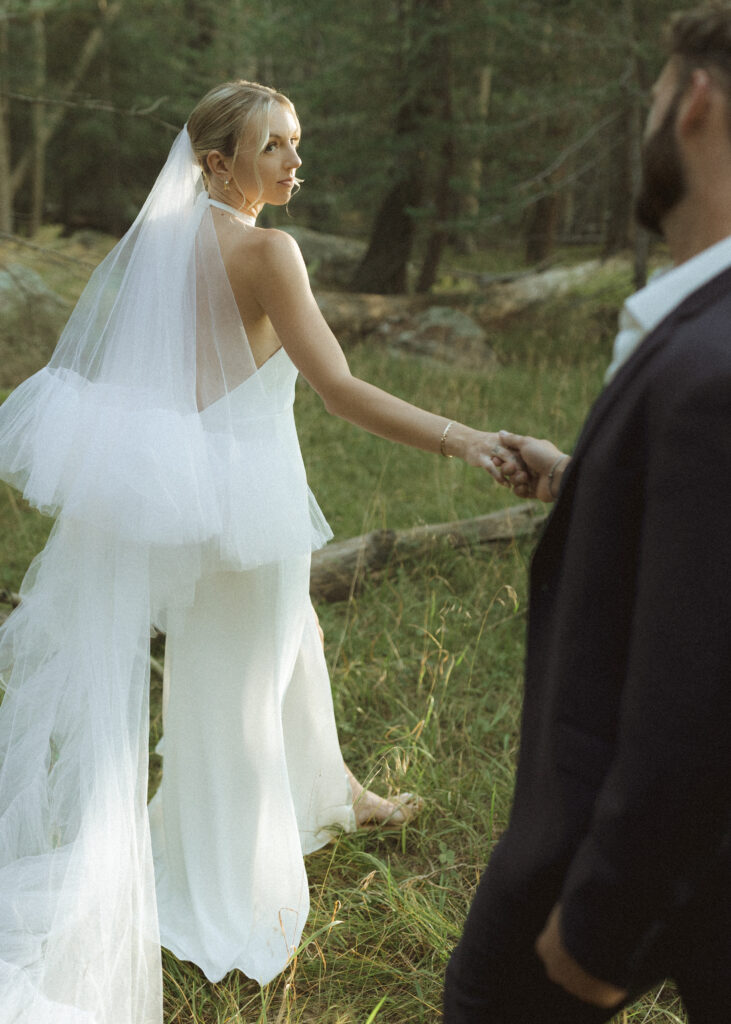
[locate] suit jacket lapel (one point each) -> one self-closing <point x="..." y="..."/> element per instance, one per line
<point x="615" y="391"/>
<point x="645" y="352"/>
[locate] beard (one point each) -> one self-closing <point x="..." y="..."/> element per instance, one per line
<point x="663" y="182"/>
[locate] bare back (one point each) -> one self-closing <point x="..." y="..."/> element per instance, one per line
<point x="240" y="247"/>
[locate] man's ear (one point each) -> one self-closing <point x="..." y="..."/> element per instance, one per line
<point x="696" y="103"/>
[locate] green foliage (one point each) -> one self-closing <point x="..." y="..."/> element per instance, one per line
<point x="558" y="72"/>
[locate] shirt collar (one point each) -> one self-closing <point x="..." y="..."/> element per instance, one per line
<point x="649" y="306"/>
<point x="643" y="311"/>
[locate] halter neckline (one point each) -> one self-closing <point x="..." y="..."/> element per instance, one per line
<point x="246" y="218"/>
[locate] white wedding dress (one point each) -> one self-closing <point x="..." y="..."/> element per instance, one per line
<point x="253" y="777"/>
<point x="172" y="466"/>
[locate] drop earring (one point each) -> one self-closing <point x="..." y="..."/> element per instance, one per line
<point x="225" y="184"/>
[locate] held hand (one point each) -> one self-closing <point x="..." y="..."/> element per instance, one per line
<point x="562" y="969"/>
<point x="501" y="461"/>
<point x="544" y="464"/>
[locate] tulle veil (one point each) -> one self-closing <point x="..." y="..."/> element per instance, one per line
<point x="109" y="439"/>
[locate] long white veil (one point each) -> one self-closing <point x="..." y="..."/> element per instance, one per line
<point x="109" y="439"/>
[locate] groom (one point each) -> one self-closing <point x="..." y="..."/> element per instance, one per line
<point x="615" y="870"/>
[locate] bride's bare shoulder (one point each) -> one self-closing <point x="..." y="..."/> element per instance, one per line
<point x="272" y="244"/>
<point x="266" y="263"/>
<point x="272" y="254"/>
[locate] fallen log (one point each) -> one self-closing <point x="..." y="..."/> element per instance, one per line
<point x="340" y="569"/>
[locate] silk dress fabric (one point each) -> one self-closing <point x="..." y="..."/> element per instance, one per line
<point x="253" y="776"/>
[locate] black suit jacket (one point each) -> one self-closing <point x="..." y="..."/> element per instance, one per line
<point x="622" y="807"/>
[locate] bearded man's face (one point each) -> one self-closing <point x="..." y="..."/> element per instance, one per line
<point x="663" y="183"/>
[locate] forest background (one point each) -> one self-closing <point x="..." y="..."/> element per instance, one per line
<point x="461" y="141"/>
<point x="426" y="123"/>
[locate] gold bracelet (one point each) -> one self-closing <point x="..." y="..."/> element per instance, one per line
<point x="442" y="447"/>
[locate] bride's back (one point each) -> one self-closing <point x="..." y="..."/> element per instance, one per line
<point x="241" y="247"/>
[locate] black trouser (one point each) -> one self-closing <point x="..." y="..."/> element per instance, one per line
<point x="495" y="977"/>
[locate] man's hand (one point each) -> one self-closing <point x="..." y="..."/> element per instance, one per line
<point x="543" y="463"/>
<point x="562" y="969"/>
<point x="503" y="463"/>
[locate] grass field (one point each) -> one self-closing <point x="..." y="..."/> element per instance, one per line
<point x="426" y="669"/>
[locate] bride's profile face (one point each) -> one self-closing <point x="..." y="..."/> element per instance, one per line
<point x="276" y="163"/>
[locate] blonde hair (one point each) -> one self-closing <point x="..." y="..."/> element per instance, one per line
<point x="229" y="114"/>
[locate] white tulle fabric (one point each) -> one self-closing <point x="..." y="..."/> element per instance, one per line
<point x="115" y="438"/>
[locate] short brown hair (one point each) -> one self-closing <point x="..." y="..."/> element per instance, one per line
<point x="702" y="39"/>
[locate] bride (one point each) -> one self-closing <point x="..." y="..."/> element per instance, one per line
<point x="161" y="438"/>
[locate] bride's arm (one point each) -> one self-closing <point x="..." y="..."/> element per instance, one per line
<point x="281" y="285"/>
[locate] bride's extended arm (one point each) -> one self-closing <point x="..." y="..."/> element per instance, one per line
<point x="282" y="288"/>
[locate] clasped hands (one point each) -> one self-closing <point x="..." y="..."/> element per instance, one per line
<point x="532" y="468"/>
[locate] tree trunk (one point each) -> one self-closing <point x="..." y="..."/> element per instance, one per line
<point x="384" y="266"/>
<point x="618" y="198"/>
<point x="568" y="206"/>
<point x="55" y="115"/>
<point x="200" y="17"/>
<point x="438" y="236"/>
<point x="624" y="158"/>
<point x="6" y="196"/>
<point x="637" y="85"/>
<point x="543" y="221"/>
<point x="444" y="199"/>
<point x="470" y="202"/>
<point x="110" y="204"/>
<point x="38" y="116"/>
<point x="641" y="236"/>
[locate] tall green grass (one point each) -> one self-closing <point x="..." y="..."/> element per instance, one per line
<point x="426" y="667"/>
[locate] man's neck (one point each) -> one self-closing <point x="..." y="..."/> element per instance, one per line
<point x="692" y="227"/>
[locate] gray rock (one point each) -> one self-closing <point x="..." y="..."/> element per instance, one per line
<point x="31" y="319"/>
<point x="441" y="333"/>
<point x="330" y="259"/>
<point x="501" y="300"/>
<point x="355" y="317"/>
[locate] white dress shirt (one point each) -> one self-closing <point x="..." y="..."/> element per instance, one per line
<point x="666" y="289"/>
